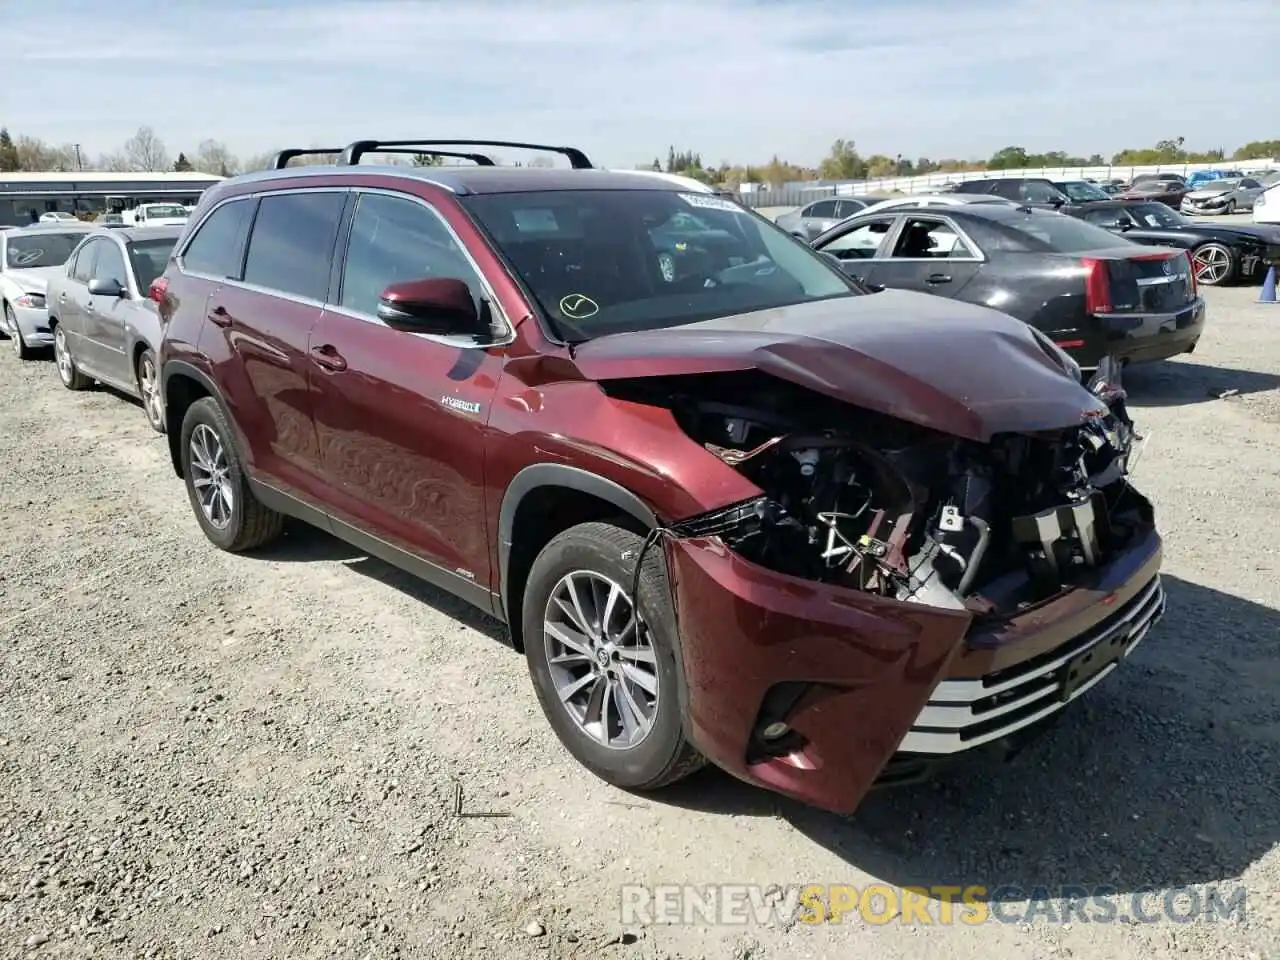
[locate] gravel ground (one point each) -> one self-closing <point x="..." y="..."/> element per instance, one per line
<point x="212" y="756"/>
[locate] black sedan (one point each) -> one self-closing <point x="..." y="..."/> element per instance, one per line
<point x="1093" y="293"/>
<point x="1221" y="252"/>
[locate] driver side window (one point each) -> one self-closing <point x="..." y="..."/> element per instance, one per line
<point x="862" y="242"/>
<point x="394" y="240"/>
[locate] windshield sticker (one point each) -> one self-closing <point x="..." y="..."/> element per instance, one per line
<point x="707" y="202"/>
<point x="577" y="306"/>
<point x="535" y="221"/>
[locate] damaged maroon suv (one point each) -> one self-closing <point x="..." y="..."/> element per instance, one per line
<point x="730" y="507"/>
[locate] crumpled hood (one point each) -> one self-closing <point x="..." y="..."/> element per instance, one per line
<point x="965" y="370"/>
<point x="34" y="279"/>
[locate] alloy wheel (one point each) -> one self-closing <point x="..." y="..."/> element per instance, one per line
<point x="149" y="387"/>
<point x="15" y="334"/>
<point x="211" y="476"/>
<point x="602" y="664"/>
<point x="62" y="356"/>
<point x="1212" y="264"/>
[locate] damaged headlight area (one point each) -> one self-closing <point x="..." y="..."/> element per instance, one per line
<point x="866" y="501"/>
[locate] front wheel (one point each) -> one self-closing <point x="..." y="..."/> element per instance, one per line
<point x="20" y="348"/>
<point x="1231" y="207"/>
<point x="226" y="509"/>
<point x="1213" y="263"/>
<point x="607" y="679"/>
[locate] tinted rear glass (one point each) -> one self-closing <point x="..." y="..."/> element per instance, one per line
<point x="1051" y="232"/>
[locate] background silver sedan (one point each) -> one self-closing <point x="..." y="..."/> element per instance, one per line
<point x="105" y="326"/>
<point x="821" y="215"/>
<point x="1222" y="196"/>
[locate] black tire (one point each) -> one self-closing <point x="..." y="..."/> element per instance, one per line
<point x="1231" y="207"/>
<point x="20" y="348"/>
<point x="250" y="524"/>
<point x="155" y="416"/>
<point x="68" y="372"/>
<point x="664" y="755"/>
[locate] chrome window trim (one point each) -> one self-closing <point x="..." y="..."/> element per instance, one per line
<point x="453" y="342"/>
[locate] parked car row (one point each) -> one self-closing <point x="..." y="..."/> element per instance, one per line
<point x="730" y="504"/>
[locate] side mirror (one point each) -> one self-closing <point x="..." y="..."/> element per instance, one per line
<point x="1126" y="225"/>
<point x="442" y="306"/>
<point x="106" y="287"/>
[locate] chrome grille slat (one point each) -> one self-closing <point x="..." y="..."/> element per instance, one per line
<point x="960" y="714"/>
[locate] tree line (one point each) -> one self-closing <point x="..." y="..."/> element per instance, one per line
<point x="145" y="151"/>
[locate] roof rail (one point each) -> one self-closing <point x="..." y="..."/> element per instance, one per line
<point x="479" y="159"/>
<point x="354" y="151"/>
<point x="281" y="159"/>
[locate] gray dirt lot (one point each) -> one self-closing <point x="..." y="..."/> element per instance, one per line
<point x="215" y="756"/>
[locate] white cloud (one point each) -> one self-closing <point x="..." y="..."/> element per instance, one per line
<point x="734" y="79"/>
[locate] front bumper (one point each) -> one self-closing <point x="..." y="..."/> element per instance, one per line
<point x="1204" y="209"/>
<point x="34" y="324"/>
<point x="862" y="681"/>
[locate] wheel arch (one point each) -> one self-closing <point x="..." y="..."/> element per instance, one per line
<point x="543" y="500"/>
<point x="182" y="385"/>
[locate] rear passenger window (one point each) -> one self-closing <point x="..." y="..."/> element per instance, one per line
<point x="291" y="247"/>
<point x="215" y="249"/>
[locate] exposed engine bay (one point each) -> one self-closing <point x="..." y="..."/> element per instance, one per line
<point x="879" y="505"/>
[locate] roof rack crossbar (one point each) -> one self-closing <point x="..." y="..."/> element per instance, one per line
<point x="354" y="151"/>
<point x="281" y="159"/>
<point x="479" y="159"/>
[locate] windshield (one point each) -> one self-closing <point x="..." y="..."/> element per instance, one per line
<point x="1052" y="232"/>
<point x="149" y="258"/>
<point x="608" y="261"/>
<point x="164" y="210"/>
<point x="39" y="250"/>
<point x="1080" y="190"/>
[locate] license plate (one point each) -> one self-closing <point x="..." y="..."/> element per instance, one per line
<point x="1086" y="665"/>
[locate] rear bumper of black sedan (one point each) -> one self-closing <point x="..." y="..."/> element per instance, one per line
<point x="1146" y="338"/>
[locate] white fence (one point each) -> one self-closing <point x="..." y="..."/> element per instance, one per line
<point x="932" y="181"/>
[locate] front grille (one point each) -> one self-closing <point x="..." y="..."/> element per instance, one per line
<point x="962" y="714"/>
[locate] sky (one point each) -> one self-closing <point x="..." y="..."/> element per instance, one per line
<point x="735" y="80"/>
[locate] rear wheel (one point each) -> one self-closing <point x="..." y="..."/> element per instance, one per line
<point x="607" y="679"/>
<point x="1214" y="264"/>
<point x="226" y="509"/>
<point x="149" y="390"/>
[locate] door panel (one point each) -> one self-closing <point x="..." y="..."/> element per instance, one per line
<point x="402" y="424"/>
<point x="105" y="316"/>
<point x="928" y="255"/>
<point x="258" y="333"/>
<point x="72" y="302"/>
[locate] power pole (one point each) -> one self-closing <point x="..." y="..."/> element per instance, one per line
<point x="79" y="164"/>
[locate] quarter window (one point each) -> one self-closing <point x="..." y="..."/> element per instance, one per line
<point x="394" y="240"/>
<point x="291" y="248"/>
<point x="215" y="249"/>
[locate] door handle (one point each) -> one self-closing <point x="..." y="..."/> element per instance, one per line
<point x="62" y="297"/>
<point x="219" y="317"/>
<point x="935" y="278"/>
<point x="90" y="308"/>
<point x="328" y="357"/>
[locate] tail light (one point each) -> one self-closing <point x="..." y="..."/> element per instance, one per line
<point x="159" y="287"/>
<point x="1097" y="291"/>
<point x="1191" y="272"/>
